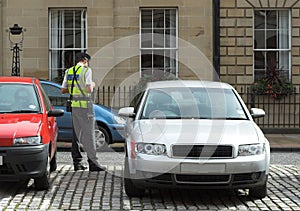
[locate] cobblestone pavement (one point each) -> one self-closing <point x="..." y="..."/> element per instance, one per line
<point x="83" y="190"/>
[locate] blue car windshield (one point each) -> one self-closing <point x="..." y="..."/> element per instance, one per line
<point x="18" y="98"/>
<point x="188" y="103"/>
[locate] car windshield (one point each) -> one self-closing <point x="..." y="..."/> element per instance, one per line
<point x="18" y="98"/>
<point x="188" y="103"/>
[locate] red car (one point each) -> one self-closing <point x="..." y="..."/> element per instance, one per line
<point x="28" y="131"/>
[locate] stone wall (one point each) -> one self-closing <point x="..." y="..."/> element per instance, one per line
<point x="194" y="28"/>
<point x="236" y="38"/>
<point x="109" y="23"/>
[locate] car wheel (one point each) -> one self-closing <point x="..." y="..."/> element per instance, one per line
<point x="42" y="182"/>
<point x="102" y="137"/>
<point x="53" y="163"/>
<point x="130" y="188"/>
<point x="258" y="192"/>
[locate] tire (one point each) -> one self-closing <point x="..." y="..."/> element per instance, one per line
<point x="102" y="138"/>
<point x="130" y="188"/>
<point x="42" y="182"/>
<point x="24" y="183"/>
<point x="53" y="163"/>
<point x="258" y="192"/>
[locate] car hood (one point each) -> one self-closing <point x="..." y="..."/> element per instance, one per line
<point x="198" y="131"/>
<point x="13" y="126"/>
<point x="108" y="109"/>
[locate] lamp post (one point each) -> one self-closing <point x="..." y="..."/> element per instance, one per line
<point x="16" y="40"/>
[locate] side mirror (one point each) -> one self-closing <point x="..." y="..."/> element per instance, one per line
<point x="127" y="112"/>
<point x="257" y="112"/>
<point x="56" y="112"/>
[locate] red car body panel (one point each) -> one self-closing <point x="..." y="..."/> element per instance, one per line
<point x="20" y="125"/>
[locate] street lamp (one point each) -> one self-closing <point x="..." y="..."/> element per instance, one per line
<point x="16" y="37"/>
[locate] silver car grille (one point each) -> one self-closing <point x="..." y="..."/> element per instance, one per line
<point x="202" y="151"/>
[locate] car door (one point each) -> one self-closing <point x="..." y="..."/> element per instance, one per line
<point x="51" y="123"/>
<point x="59" y="102"/>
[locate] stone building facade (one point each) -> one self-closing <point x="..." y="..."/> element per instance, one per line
<point x="237" y="38"/>
<point x="112" y="30"/>
<point x="208" y="33"/>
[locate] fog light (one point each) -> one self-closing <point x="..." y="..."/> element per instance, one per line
<point x="148" y="175"/>
<point x="255" y="176"/>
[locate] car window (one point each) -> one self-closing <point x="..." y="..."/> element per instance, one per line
<point x="55" y="95"/>
<point x="136" y="101"/>
<point x="18" y="98"/>
<point x="47" y="101"/>
<point x="178" y="103"/>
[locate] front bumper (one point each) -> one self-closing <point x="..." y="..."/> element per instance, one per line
<point x="204" y="181"/>
<point x="239" y="172"/>
<point x="23" y="162"/>
<point x="161" y="164"/>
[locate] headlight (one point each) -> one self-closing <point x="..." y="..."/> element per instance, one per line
<point x="151" y="149"/>
<point x="119" y="120"/>
<point x="35" y="140"/>
<point x="251" y="149"/>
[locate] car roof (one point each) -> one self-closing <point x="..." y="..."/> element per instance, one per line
<point x="188" y="83"/>
<point x="43" y="81"/>
<point x="18" y="79"/>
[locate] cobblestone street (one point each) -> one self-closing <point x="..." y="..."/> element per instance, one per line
<point x="84" y="190"/>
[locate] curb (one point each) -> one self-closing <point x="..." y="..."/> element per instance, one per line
<point x="68" y="149"/>
<point x="285" y="149"/>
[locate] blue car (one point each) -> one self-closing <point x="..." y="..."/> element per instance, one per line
<point x="109" y="126"/>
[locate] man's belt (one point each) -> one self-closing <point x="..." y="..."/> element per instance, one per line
<point x="81" y="98"/>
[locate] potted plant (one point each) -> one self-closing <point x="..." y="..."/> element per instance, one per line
<point x="273" y="84"/>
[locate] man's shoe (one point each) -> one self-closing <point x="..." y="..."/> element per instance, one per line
<point x="79" y="166"/>
<point x="94" y="167"/>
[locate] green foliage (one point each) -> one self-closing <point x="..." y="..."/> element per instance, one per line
<point x="273" y="85"/>
<point x="276" y="89"/>
<point x="58" y="80"/>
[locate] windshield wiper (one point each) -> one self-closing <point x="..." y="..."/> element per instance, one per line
<point x="235" y="118"/>
<point x="230" y="118"/>
<point x="163" y="117"/>
<point x="195" y="117"/>
<point x="173" y="117"/>
<point x="223" y="118"/>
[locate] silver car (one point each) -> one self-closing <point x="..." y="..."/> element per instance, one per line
<point x="194" y="134"/>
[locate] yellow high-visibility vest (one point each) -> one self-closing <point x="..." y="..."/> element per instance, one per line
<point x="79" y="100"/>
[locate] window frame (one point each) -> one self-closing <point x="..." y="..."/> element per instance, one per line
<point x="265" y="50"/>
<point x="83" y="40"/>
<point x="164" y="49"/>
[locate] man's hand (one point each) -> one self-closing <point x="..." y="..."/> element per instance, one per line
<point x="90" y="87"/>
<point x="64" y="91"/>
